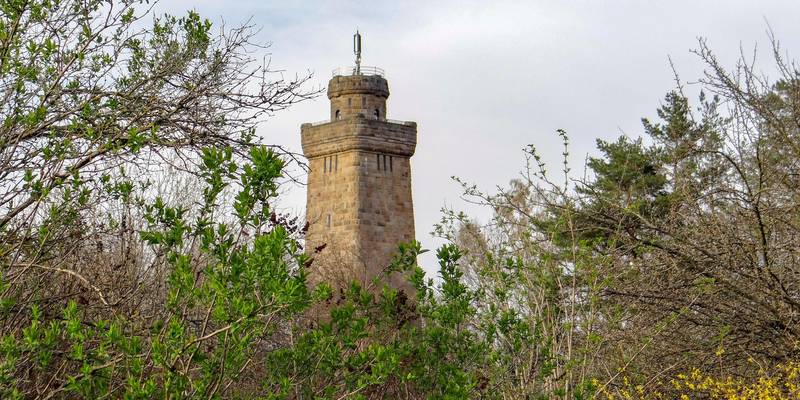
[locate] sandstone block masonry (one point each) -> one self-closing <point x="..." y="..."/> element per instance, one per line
<point x="359" y="185"/>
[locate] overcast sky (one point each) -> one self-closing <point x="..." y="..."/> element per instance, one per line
<point x="483" y="79"/>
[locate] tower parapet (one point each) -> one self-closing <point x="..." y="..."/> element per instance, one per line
<point x="363" y="94"/>
<point x="359" y="133"/>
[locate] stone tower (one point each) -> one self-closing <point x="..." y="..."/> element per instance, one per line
<point x="359" y="184"/>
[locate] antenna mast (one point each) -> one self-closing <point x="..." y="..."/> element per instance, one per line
<point x="357" y="50"/>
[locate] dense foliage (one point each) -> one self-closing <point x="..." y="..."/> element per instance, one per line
<point x="141" y="257"/>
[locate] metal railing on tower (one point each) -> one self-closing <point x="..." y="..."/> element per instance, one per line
<point x="362" y="70"/>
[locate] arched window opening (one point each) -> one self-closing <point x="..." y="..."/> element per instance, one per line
<point x="337" y="115"/>
<point x="377" y="114"/>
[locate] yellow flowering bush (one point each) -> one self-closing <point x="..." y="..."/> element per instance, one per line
<point x="779" y="383"/>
